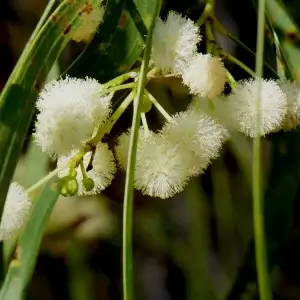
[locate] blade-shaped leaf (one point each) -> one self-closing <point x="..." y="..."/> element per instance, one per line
<point x="18" y="97"/>
<point x="288" y="34"/>
<point x="21" y="268"/>
<point x="118" y="43"/>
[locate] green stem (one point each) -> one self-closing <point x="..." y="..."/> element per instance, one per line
<point x="152" y="73"/>
<point x="106" y="128"/>
<point x="118" y="88"/>
<point x="236" y="61"/>
<point x="145" y="123"/>
<point x="83" y="172"/>
<point x="230" y="79"/>
<point x="211" y="48"/>
<point x="120" y="79"/>
<point x="207" y="12"/>
<point x="129" y="189"/>
<point x="75" y="161"/>
<point x="158" y="106"/>
<point x="44" y="179"/>
<point x="102" y="131"/>
<point x="258" y="215"/>
<point x="218" y="26"/>
<point x="211" y="42"/>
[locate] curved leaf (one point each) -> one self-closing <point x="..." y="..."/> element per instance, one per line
<point x="288" y="34"/>
<point x="21" y="268"/>
<point x="118" y="43"/>
<point x="18" y="97"/>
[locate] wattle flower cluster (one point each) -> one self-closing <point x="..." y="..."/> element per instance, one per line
<point x="174" y="50"/>
<point x="255" y="107"/>
<point x="70" y="110"/>
<point x="166" y="160"/>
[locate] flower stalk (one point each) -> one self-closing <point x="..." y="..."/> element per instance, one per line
<point x="127" y="255"/>
<point x="258" y="211"/>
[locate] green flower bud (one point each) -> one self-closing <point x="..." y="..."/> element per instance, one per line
<point x="68" y="186"/>
<point x="88" y="183"/>
<point x="73" y="173"/>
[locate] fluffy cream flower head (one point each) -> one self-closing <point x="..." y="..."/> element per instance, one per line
<point x="205" y="75"/>
<point x="122" y="148"/>
<point x="162" y="168"/>
<point x="209" y="138"/>
<point x="104" y="169"/>
<point x="16" y="209"/>
<point x="215" y="108"/>
<point x="93" y="16"/>
<point x="242" y="106"/>
<point x="200" y="134"/>
<point x="174" y="42"/>
<point x="292" y="92"/>
<point x="70" y="109"/>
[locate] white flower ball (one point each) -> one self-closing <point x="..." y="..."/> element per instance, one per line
<point x="205" y="75"/>
<point x="215" y="108"/>
<point x="104" y="169"/>
<point x="16" y="209"/>
<point x="70" y="109"/>
<point x="242" y="106"/>
<point x="93" y="15"/>
<point x="122" y="148"/>
<point x="292" y="92"/>
<point x="174" y="42"/>
<point x="210" y="135"/>
<point x="162" y="168"/>
<point x="202" y="134"/>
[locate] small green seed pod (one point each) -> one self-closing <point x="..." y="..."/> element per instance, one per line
<point x="88" y="184"/>
<point x="68" y="186"/>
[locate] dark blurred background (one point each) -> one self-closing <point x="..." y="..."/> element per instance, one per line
<point x="196" y="245"/>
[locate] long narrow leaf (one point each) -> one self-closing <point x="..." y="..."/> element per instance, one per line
<point x="18" y="97"/>
<point x="288" y="35"/>
<point x="21" y="268"/>
<point x="118" y="43"/>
